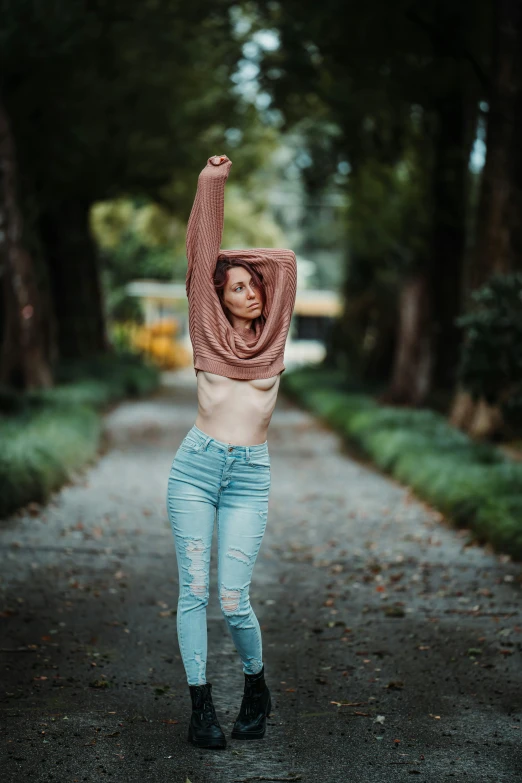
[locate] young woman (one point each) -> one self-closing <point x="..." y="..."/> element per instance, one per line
<point x="240" y="306"/>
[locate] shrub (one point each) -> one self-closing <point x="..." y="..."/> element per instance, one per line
<point x="473" y="483"/>
<point x="491" y="361"/>
<point x="48" y="435"/>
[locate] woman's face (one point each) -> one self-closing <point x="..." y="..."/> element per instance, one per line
<point x="240" y="294"/>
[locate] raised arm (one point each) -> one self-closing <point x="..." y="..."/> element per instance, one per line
<point x="205" y="224"/>
<point x="269" y="258"/>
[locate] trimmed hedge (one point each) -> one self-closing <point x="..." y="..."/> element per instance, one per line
<point x="47" y="435"/>
<point x="474" y="484"/>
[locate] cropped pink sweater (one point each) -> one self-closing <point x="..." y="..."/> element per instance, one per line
<point x="217" y="346"/>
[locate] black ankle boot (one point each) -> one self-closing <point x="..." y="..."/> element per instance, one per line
<point x="255" y="706"/>
<point x="204" y="729"/>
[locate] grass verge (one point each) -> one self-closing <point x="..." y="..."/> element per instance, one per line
<point x="474" y="484"/>
<point x="48" y="435"/>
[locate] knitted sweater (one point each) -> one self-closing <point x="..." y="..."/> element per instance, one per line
<point x="218" y="347"/>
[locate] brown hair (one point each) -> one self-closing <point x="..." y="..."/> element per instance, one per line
<point x="221" y="278"/>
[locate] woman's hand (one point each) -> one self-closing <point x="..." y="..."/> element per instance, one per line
<point x="217" y="166"/>
<point x="218" y="160"/>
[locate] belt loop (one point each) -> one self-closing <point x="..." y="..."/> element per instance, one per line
<point x="207" y="441"/>
<point x="247" y="453"/>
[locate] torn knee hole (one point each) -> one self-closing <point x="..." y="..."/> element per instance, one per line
<point x="230" y="600"/>
<point x="238" y="554"/>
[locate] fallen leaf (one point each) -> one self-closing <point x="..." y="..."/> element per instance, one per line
<point x="99" y="684"/>
<point x="394" y="611"/>
<point x="349" y="703"/>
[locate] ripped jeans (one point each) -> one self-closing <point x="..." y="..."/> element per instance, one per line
<point x="211" y="479"/>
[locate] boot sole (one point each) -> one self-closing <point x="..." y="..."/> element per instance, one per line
<point x="216" y="744"/>
<point x="250" y="735"/>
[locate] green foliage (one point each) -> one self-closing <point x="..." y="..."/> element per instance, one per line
<point x="248" y="222"/>
<point x="395" y="194"/>
<point x="109" y="100"/>
<point x="491" y="362"/>
<point x="475" y="484"/>
<point x="136" y="89"/>
<point x="122" y="375"/>
<point x="386" y="74"/>
<point x="136" y="240"/>
<point x="41" y="449"/>
<point x="387" y="239"/>
<point x="48" y="435"/>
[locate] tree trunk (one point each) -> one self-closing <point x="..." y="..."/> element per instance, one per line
<point x="75" y="281"/>
<point x="362" y="341"/>
<point x="456" y="124"/>
<point x="413" y="357"/>
<point x="516" y="148"/>
<point x="24" y="361"/>
<point x="427" y="347"/>
<point x="499" y="204"/>
<point x="498" y="246"/>
<point x="476" y="417"/>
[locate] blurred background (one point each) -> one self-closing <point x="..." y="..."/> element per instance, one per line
<point x="379" y="140"/>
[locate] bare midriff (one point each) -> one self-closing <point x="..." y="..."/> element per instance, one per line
<point x="233" y="411"/>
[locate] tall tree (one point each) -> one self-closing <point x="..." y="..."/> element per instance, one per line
<point x="25" y="360"/>
<point x="498" y="242"/>
<point x="498" y="247"/>
<point x="106" y="99"/>
<point x="370" y="71"/>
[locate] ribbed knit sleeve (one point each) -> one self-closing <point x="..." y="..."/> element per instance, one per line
<point x="205" y="224"/>
<point x="218" y="347"/>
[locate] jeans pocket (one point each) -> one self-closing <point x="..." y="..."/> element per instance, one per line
<point x="260" y="462"/>
<point x="189" y="444"/>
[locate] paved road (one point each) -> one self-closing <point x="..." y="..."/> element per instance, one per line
<point x="391" y="647"/>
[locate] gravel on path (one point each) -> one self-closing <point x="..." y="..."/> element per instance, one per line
<point x="391" y="646"/>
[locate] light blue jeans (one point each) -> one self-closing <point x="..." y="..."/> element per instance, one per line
<point x="211" y="479"/>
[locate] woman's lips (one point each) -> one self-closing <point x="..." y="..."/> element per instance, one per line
<point x="256" y="304"/>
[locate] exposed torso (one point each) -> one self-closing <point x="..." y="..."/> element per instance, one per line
<point x="233" y="411"/>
